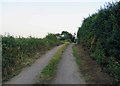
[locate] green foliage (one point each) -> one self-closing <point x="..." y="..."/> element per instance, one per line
<point x="114" y="67"/>
<point x="100" y="32"/>
<point x="52" y="40"/>
<point x="19" y="52"/>
<point x="66" y="36"/>
<point x="98" y="55"/>
<point x="75" y="53"/>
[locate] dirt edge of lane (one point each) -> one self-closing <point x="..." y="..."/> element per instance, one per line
<point x="90" y="69"/>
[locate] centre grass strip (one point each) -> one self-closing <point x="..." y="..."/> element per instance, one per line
<point x="48" y="72"/>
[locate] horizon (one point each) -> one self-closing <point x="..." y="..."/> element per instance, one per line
<point x="37" y="19"/>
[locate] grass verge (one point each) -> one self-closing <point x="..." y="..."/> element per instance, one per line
<point x="48" y="72"/>
<point x="75" y="53"/>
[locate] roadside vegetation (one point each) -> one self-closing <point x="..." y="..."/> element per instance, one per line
<point x="75" y="53"/>
<point x="89" y="68"/>
<point x="18" y="52"/>
<point x="48" y="72"/>
<point x="100" y="33"/>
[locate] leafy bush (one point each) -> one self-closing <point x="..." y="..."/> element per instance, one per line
<point x="114" y="67"/>
<point x="100" y="32"/>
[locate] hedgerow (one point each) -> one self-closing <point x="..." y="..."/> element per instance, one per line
<point x="17" y="52"/>
<point x="100" y="32"/>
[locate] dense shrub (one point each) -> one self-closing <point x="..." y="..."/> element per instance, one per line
<point x="100" y="32"/>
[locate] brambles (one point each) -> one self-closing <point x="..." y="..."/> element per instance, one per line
<point x="19" y="52"/>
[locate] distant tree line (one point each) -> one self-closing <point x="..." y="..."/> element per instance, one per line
<point x="66" y="36"/>
<point x="100" y="32"/>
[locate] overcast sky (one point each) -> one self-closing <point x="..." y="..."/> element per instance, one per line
<point x="39" y="17"/>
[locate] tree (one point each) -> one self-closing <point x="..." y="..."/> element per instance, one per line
<point x="67" y="36"/>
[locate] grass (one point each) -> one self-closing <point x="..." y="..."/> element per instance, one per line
<point x="49" y="71"/>
<point x="75" y="53"/>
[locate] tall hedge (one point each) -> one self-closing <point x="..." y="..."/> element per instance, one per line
<point x="100" y="32"/>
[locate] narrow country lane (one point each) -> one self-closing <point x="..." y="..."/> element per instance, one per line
<point x="29" y="74"/>
<point x="68" y="71"/>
